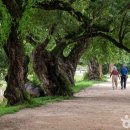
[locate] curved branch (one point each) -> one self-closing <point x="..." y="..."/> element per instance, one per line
<point x="78" y="50"/>
<point x="92" y="30"/>
<point x="115" y="42"/>
<point x="31" y="40"/>
<point x="64" y="6"/>
<point x="71" y="38"/>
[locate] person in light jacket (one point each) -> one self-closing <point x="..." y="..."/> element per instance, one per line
<point x="115" y="75"/>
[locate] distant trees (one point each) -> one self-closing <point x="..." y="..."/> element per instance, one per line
<point x="99" y="53"/>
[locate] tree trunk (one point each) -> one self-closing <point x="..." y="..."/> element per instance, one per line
<point x="100" y="71"/>
<point x="15" y="78"/>
<point x="15" y="92"/>
<point x="51" y="70"/>
<point x="93" y="70"/>
<point x="55" y="71"/>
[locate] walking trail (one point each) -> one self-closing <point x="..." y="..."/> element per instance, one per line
<point x="95" y="108"/>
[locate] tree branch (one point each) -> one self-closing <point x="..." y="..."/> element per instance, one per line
<point x="13" y="8"/>
<point x="72" y="37"/>
<point x="121" y="34"/>
<point x="61" y="44"/>
<point x="31" y="40"/>
<point x="91" y="29"/>
<point x="78" y="50"/>
<point x="115" y="42"/>
<point x="64" y="6"/>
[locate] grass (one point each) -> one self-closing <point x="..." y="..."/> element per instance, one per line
<point x="78" y="77"/>
<point x="82" y="85"/>
<point x="35" y="102"/>
<point x="86" y="83"/>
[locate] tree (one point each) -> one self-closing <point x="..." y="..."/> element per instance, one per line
<point x="63" y="68"/>
<point x="101" y="52"/>
<point x="54" y="69"/>
<point x="15" y="92"/>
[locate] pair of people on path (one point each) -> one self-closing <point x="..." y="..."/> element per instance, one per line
<point x="115" y="75"/>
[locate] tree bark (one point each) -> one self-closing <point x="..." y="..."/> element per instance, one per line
<point x="93" y="70"/>
<point x="55" y="71"/>
<point x="73" y="58"/>
<point x="51" y="70"/>
<point x="15" y="92"/>
<point x="100" y="71"/>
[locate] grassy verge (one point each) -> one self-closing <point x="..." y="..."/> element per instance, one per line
<point x="82" y="85"/>
<point x="35" y="102"/>
<point x="86" y="83"/>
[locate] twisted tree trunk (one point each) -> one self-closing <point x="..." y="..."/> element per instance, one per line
<point x="15" y="92"/>
<point x="15" y="78"/>
<point x="55" y="71"/>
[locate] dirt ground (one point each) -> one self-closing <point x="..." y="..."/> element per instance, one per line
<point x="96" y="108"/>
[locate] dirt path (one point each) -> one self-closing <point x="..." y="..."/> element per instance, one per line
<point x="96" y="108"/>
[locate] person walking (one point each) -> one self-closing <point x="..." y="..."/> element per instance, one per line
<point x="115" y="75"/>
<point x="124" y="76"/>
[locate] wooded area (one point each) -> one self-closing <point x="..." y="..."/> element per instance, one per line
<point x="48" y="39"/>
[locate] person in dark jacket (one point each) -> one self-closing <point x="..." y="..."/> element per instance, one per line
<point x="124" y="76"/>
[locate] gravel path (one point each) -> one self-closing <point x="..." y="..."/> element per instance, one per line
<point x="95" y="108"/>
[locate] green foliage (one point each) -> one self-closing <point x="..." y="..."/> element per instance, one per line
<point x="82" y="85"/>
<point x="68" y="49"/>
<point x="105" y="68"/>
<point x="3" y="64"/>
<point x="4" y="32"/>
<point x="5" y="21"/>
<point x="104" y="13"/>
<point x="104" y="52"/>
<point x="33" y="78"/>
<point x="81" y="5"/>
<point x="37" y="22"/>
<point x="33" y="103"/>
